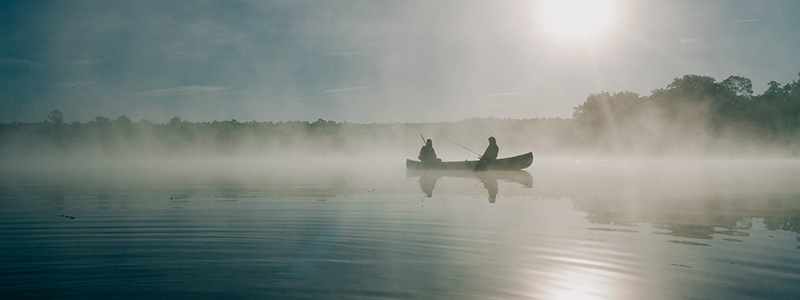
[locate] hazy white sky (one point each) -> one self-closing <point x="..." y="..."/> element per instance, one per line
<point x="372" y="61"/>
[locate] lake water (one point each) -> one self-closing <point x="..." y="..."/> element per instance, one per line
<point x="660" y="229"/>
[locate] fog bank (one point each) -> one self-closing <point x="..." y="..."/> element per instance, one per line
<point x="694" y="116"/>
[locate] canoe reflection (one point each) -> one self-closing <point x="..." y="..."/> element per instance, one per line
<point x="428" y="179"/>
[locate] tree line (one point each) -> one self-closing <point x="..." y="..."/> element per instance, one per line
<point x="693" y="115"/>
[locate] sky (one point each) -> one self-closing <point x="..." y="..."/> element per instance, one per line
<point x="373" y="61"/>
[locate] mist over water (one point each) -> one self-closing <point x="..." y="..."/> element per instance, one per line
<point x="623" y="229"/>
<point x="635" y="197"/>
<point x="665" y="196"/>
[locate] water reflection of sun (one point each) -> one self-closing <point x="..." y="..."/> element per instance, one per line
<point x="582" y="280"/>
<point x="575" y="286"/>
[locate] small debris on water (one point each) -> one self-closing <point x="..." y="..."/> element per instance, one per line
<point x="689" y="243"/>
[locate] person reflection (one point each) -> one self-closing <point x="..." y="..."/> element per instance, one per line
<point x="490" y="184"/>
<point x="427" y="182"/>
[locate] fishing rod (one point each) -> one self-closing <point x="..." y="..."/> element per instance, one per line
<point x="462" y="146"/>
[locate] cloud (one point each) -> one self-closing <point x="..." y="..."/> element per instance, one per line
<point x="181" y="91"/>
<point x="84" y="62"/>
<point x="8" y="64"/>
<point x="495" y="95"/>
<point x="78" y="83"/>
<point x="344" y="89"/>
<point x="346" y="53"/>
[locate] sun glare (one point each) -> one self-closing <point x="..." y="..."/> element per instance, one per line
<point x="576" y="19"/>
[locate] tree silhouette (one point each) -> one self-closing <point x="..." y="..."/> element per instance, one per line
<point x="56" y="117"/>
<point x="740" y="86"/>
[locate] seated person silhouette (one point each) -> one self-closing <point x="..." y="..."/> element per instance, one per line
<point x="427" y="155"/>
<point x="489" y="156"/>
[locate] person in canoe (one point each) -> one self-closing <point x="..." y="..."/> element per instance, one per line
<point x="427" y="155"/>
<point x="489" y="156"/>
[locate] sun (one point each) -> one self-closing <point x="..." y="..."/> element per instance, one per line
<point x="576" y="19"/>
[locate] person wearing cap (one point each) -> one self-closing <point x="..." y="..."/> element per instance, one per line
<point x="489" y="156"/>
<point x="427" y="154"/>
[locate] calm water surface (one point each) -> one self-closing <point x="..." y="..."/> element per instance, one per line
<point x="706" y="229"/>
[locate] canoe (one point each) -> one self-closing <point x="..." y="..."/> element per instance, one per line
<point x="518" y="162"/>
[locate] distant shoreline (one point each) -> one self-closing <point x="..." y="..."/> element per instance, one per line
<point x="694" y="116"/>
